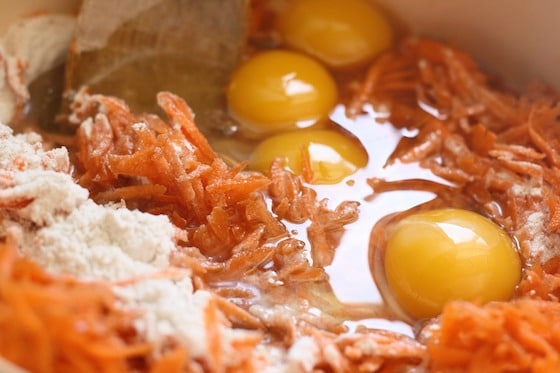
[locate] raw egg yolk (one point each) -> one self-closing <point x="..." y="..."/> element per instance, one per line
<point x="450" y="254"/>
<point x="341" y="34"/>
<point x="331" y="155"/>
<point x="280" y="90"/>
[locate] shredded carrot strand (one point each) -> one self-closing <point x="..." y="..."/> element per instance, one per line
<point x="69" y="325"/>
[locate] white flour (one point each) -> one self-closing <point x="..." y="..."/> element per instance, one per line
<point x="542" y="244"/>
<point x="169" y="310"/>
<point x="96" y="242"/>
<point x="25" y="151"/>
<point x="50" y="195"/>
<point x="67" y="233"/>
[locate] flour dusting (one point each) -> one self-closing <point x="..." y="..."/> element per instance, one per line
<point x="67" y="233"/>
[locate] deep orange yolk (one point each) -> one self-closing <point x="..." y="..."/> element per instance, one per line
<point x="341" y="34"/>
<point x="280" y="90"/>
<point x="437" y="256"/>
<point x="332" y="156"/>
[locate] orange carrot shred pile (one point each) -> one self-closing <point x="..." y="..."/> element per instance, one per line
<point x="54" y="324"/>
<point x="499" y="151"/>
<point x="518" y="336"/>
<point x="171" y="169"/>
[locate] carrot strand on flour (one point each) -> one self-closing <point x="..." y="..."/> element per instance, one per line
<point x="69" y="325"/>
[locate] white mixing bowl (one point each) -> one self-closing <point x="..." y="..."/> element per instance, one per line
<point x="516" y="39"/>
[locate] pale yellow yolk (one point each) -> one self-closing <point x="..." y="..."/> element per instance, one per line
<point x="437" y="256"/>
<point x="280" y="90"/>
<point x="341" y="34"/>
<point x="332" y="156"/>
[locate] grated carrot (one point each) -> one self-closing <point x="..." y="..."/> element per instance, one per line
<point x="517" y="336"/>
<point x="68" y="325"/>
<point x="498" y="153"/>
<point x="479" y="137"/>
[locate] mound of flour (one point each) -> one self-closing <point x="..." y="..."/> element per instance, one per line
<point x="67" y="233"/>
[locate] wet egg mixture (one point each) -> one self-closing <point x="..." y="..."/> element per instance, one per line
<point x="362" y="200"/>
<point x="290" y="100"/>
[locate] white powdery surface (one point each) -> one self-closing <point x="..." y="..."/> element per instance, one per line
<point x="100" y="242"/>
<point x="46" y="195"/>
<point x="25" y="151"/>
<point x="67" y="233"/>
<point x="543" y="244"/>
<point x="169" y="311"/>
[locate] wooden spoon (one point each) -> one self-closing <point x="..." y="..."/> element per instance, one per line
<point x="135" y="48"/>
